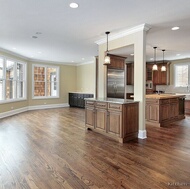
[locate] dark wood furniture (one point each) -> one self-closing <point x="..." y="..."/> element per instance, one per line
<point x="187" y="106"/>
<point x="77" y="99"/>
<point x="162" y="110"/>
<point x="115" y="119"/>
<point x="116" y="62"/>
<point x="162" y="77"/>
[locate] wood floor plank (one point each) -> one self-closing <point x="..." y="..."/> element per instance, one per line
<point x="50" y="149"/>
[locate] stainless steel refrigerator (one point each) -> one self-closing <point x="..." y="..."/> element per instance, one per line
<point x="115" y="83"/>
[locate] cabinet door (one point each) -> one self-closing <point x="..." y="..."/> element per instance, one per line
<point x="114" y="123"/>
<point x="80" y="100"/>
<point x="100" y="119"/>
<point x="174" y="110"/>
<point x="116" y="62"/>
<point x="149" y="72"/>
<point x="164" y="112"/>
<point x="130" y="74"/>
<point x="72" y="99"/>
<point x="89" y="115"/>
<point x="152" y="112"/>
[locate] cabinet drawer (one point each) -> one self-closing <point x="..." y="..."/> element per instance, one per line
<point x="164" y="101"/>
<point x="101" y="105"/>
<point x="173" y="100"/>
<point x="114" y="106"/>
<point x="152" y="101"/>
<point x="90" y="103"/>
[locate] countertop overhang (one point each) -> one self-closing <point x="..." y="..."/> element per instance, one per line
<point x="165" y="96"/>
<point x="112" y="100"/>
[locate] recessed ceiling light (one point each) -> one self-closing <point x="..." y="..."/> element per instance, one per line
<point x="74" y="5"/>
<point x="72" y="60"/>
<point x="151" y="58"/>
<point x="82" y="58"/>
<point x="175" y="28"/>
<point x="34" y="37"/>
<point x="14" y="48"/>
<point x="178" y="54"/>
<point x="132" y="54"/>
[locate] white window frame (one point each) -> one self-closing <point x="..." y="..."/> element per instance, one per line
<point x="15" y="86"/>
<point x="175" y="78"/>
<point x="58" y="81"/>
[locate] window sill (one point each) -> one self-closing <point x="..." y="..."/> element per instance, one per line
<point x="12" y="100"/>
<point x="41" y="98"/>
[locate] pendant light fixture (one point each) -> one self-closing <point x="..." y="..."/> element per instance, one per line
<point x="155" y="67"/>
<point x="163" y="68"/>
<point x="107" y="57"/>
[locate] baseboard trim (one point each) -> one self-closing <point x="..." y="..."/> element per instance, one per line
<point x="13" y="112"/>
<point x="142" y="134"/>
<point x="28" y="108"/>
<point x="48" y="106"/>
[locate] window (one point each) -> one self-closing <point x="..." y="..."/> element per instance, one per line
<point x="45" y="81"/>
<point x="182" y="75"/>
<point x="12" y="80"/>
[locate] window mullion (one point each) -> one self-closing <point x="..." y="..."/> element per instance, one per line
<point x="45" y="82"/>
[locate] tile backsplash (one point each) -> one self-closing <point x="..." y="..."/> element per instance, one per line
<point x="171" y="89"/>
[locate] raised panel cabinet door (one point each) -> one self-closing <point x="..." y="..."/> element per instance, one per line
<point x="100" y="119"/>
<point x="114" y="123"/>
<point x="164" y="112"/>
<point x="174" y="110"/>
<point x="89" y="115"/>
<point x="153" y="112"/>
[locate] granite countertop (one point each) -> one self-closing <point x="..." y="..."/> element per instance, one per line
<point x="164" y="96"/>
<point x="113" y="100"/>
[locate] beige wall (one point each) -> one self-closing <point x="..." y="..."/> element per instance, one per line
<point x="86" y="78"/>
<point x="68" y="77"/>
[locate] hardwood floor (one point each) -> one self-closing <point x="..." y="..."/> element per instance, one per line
<point x="50" y="149"/>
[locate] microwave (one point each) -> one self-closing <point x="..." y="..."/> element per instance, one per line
<point x="149" y="85"/>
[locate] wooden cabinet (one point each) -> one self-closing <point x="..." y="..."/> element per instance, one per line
<point x="149" y="72"/>
<point x="163" y="111"/>
<point x="161" y="77"/>
<point x="116" y="62"/>
<point x="90" y="114"/>
<point x="101" y="116"/>
<point x="187" y="106"/>
<point x="77" y="99"/>
<point x="115" y="120"/>
<point x="130" y="74"/>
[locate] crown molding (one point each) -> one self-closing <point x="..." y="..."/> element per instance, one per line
<point x="142" y="27"/>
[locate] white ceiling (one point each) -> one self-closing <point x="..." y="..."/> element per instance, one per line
<point x="69" y="35"/>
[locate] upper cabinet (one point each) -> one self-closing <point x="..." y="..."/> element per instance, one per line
<point x="162" y="77"/>
<point x="117" y="62"/>
<point x="149" y="72"/>
<point x="130" y="74"/>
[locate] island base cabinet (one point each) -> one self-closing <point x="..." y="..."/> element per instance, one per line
<point x="89" y="114"/>
<point x="162" y="112"/>
<point x="114" y="123"/>
<point x="117" y="121"/>
<point x="100" y="119"/>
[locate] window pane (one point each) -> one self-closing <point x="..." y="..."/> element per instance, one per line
<point x="1" y="68"/>
<point x="20" y="71"/>
<point x="1" y="90"/>
<point x="39" y="74"/>
<point x="9" y="69"/>
<point x="51" y="74"/>
<point x="20" y="89"/>
<point x="51" y="88"/>
<point x="39" y="88"/>
<point x="181" y="76"/>
<point x="10" y="89"/>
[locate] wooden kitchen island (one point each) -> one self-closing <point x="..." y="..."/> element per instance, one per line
<point x="115" y="118"/>
<point x="163" y="109"/>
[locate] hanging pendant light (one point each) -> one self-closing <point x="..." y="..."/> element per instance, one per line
<point x="163" y="68"/>
<point x="107" y="57"/>
<point x="155" y="67"/>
